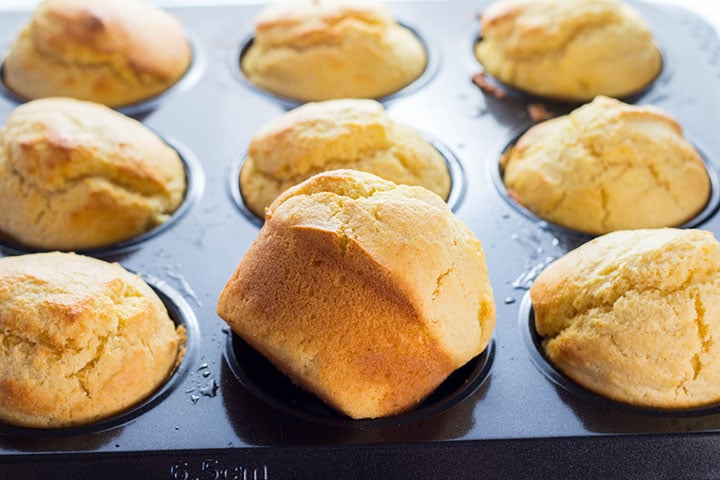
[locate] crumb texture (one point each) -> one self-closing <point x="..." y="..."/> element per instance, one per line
<point x="80" y="340"/>
<point x="367" y="293"/>
<point x="75" y="175"/>
<point x="312" y="50"/>
<point x="633" y="315"/>
<point x="335" y="134"/>
<point x="568" y="50"/>
<point x="608" y="166"/>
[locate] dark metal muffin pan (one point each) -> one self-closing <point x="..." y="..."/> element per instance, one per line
<point x="226" y="415"/>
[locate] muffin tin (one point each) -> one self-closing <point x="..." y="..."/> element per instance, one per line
<point x="226" y="414"/>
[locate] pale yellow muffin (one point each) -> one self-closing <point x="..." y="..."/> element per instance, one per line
<point x="105" y="51"/>
<point x="335" y="134"/>
<point x="635" y="316"/>
<point x="364" y="292"/>
<point x="80" y="340"/>
<point x="311" y="50"/>
<point x="568" y="49"/>
<point x="78" y="175"/>
<point x="608" y="166"/>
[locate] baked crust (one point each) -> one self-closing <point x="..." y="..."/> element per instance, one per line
<point x="106" y="51"/>
<point x="568" y="50"/>
<point x="633" y="315"/>
<point x="367" y="293"/>
<point x="80" y="340"/>
<point x="608" y="166"/>
<point x="312" y="50"/>
<point x="78" y="175"/>
<point x="336" y="134"/>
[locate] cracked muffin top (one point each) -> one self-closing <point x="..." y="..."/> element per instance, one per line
<point x="607" y="166"/>
<point x="364" y="292"/>
<point x="312" y="50"/>
<point x="568" y="49"/>
<point x="635" y="316"/>
<point x="335" y="134"/>
<point x="78" y="175"/>
<point x="105" y="51"/>
<point x="80" y="340"/>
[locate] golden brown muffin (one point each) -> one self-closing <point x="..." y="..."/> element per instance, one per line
<point x="105" y="51"/>
<point x="80" y="340"/>
<point x="335" y="134"/>
<point x="313" y="50"/>
<point x="635" y="316"/>
<point x="608" y="166"/>
<point x="77" y="175"/>
<point x="364" y="292"/>
<point x="568" y="49"/>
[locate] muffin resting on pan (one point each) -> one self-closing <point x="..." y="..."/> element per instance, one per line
<point x="364" y="292"/>
<point x="635" y="316"/>
<point x="335" y="134"/>
<point x="313" y="50"/>
<point x="105" y="51"/>
<point x="78" y="175"/>
<point x="80" y="340"/>
<point x="608" y="166"/>
<point x="568" y="49"/>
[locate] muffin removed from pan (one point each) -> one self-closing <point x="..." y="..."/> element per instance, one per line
<point x="105" y="51"/>
<point x="336" y="134"/>
<point x="635" y="316"/>
<point x="311" y="50"/>
<point x="568" y="49"/>
<point x="364" y="292"/>
<point x="78" y="175"/>
<point x="80" y="340"/>
<point x="607" y="166"/>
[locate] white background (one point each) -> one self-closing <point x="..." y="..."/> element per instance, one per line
<point x="708" y="9"/>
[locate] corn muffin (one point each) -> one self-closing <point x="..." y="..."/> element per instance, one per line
<point x="634" y="315"/>
<point x="310" y="50"/>
<point x="568" y="49"/>
<point x="78" y="175"/>
<point x="335" y="134"/>
<point x="110" y="52"/>
<point x="608" y="166"/>
<point x="364" y="292"/>
<point x="80" y="340"/>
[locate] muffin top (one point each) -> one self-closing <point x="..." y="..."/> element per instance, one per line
<point x="607" y="166"/>
<point x="349" y="133"/>
<point x="104" y="51"/>
<point x="568" y="49"/>
<point x="80" y="340"/>
<point x="311" y="50"/>
<point x="633" y="315"/>
<point x="76" y="174"/>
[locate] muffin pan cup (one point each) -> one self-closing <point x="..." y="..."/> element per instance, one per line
<point x="505" y="418"/>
